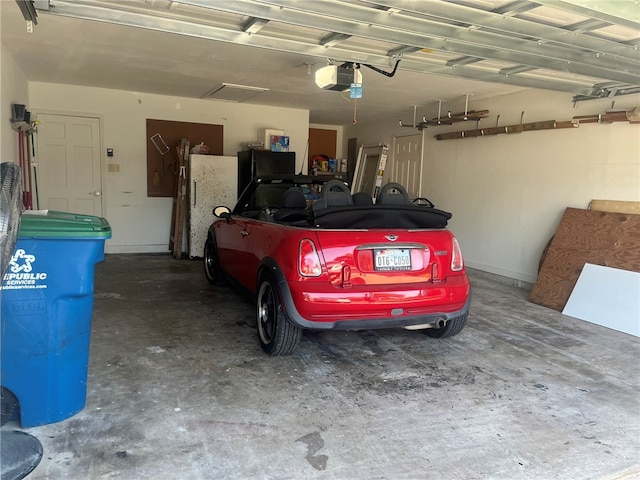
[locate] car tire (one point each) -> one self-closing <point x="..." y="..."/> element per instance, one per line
<point x="453" y="327"/>
<point x="212" y="269"/>
<point x="278" y="336"/>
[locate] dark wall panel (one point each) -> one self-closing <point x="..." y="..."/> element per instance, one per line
<point x="162" y="169"/>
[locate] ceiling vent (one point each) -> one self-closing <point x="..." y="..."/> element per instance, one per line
<point x="230" y="92"/>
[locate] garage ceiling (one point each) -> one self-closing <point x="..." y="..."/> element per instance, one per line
<point x="448" y="51"/>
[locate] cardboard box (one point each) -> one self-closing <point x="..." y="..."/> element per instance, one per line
<point x="279" y="143"/>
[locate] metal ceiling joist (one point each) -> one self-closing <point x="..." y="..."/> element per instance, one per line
<point x="515" y="70"/>
<point x="495" y="77"/>
<point x="515" y="8"/>
<point x="607" y="90"/>
<point x="254" y="25"/>
<point x="347" y="54"/>
<point x="453" y="28"/>
<point x="458" y="62"/>
<point x="635" y="43"/>
<point x="375" y="24"/>
<point x="515" y="26"/>
<point x="402" y="50"/>
<point x="334" y="39"/>
<point x="587" y="25"/>
<point x="618" y="12"/>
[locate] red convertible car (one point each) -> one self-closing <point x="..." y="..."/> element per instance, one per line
<point x="315" y="257"/>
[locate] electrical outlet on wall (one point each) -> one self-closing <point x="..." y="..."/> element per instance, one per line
<point x="113" y="167"/>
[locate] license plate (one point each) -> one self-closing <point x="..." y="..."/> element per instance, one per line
<point x="392" y="259"/>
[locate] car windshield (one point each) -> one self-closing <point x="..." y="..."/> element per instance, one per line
<point x="271" y="194"/>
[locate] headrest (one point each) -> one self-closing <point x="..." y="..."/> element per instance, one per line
<point x="334" y="194"/>
<point x="294" y="198"/>
<point x="387" y="196"/>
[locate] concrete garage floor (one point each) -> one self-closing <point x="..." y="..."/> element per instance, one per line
<point x="179" y="388"/>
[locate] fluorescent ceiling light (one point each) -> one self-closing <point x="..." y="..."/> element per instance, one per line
<point x="230" y="92"/>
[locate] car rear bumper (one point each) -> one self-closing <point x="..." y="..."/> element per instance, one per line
<point x="347" y="316"/>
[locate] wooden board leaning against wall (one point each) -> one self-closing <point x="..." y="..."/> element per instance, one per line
<point x="610" y="239"/>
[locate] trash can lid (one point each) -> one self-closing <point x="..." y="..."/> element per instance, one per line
<point x="54" y="224"/>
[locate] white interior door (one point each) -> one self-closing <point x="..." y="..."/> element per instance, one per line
<point x="406" y="165"/>
<point x="68" y="159"/>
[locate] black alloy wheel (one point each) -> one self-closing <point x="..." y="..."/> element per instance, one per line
<point x="278" y="336"/>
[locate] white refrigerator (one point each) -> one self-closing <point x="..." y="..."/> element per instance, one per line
<point x="213" y="181"/>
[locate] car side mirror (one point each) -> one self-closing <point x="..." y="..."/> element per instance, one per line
<point x="222" y="212"/>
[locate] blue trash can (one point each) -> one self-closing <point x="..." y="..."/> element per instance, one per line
<point x="47" y="304"/>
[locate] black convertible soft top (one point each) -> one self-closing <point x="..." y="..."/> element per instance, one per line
<point x="334" y="207"/>
<point x="393" y="209"/>
<point x="381" y="216"/>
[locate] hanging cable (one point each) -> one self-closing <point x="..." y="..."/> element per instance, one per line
<point x="387" y="74"/>
<point x="355" y="111"/>
<point x="375" y="69"/>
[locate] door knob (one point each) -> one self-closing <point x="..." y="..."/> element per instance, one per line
<point x="96" y="193"/>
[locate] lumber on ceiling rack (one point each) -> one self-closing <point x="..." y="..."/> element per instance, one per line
<point x="449" y="119"/>
<point x="508" y="129"/>
<point x="631" y="116"/>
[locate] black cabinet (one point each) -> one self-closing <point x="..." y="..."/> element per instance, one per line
<point x="257" y="163"/>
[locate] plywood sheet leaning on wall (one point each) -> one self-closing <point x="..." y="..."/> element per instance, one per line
<point x="615" y="206"/>
<point x="585" y="236"/>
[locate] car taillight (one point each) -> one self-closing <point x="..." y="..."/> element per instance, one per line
<point x="457" y="263"/>
<point x="308" y="259"/>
